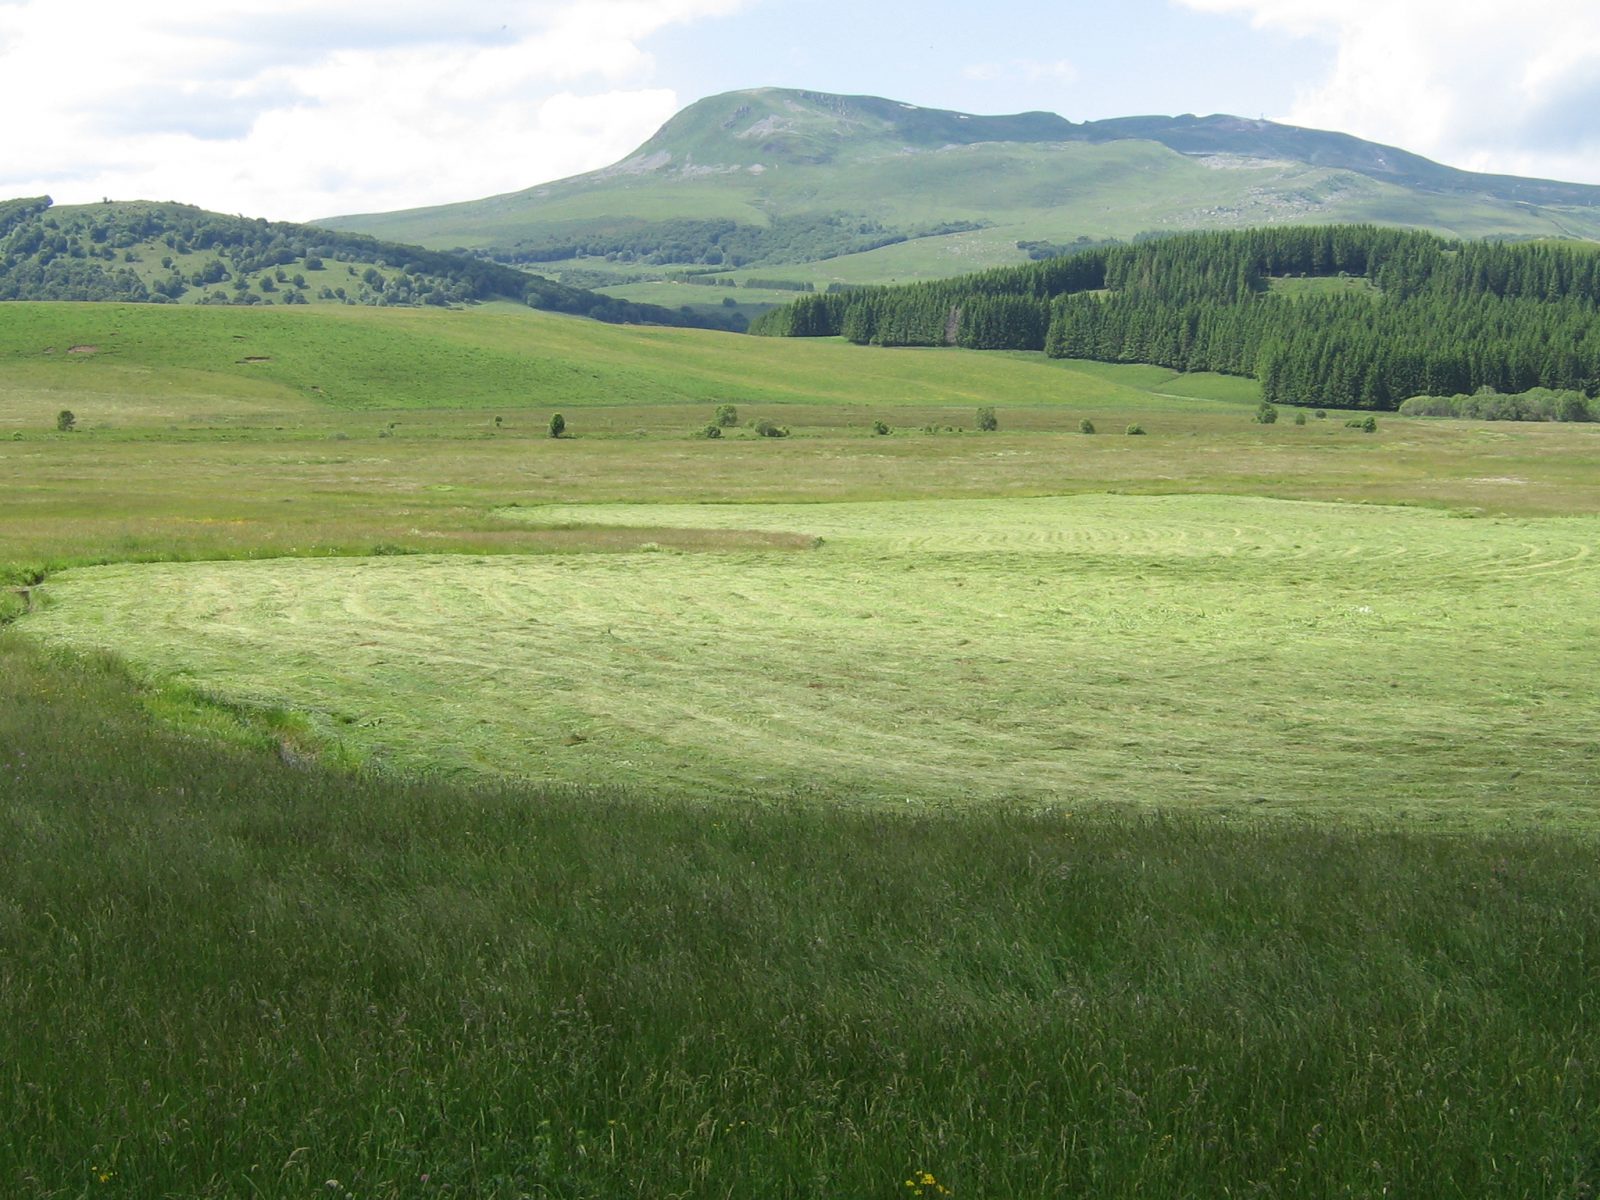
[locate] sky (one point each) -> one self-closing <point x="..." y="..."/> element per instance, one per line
<point x="297" y="109"/>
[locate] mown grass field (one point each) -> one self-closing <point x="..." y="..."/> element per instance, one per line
<point x="1220" y="654"/>
<point x="410" y="804"/>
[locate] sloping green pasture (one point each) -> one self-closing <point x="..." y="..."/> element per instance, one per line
<point x="119" y="364"/>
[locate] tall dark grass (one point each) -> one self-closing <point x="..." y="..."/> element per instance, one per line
<point x="225" y="975"/>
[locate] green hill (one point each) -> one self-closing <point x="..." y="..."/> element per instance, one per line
<point x="858" y="189"/>
<point x="168" y="253"/>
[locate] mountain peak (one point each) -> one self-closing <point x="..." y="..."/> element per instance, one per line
<point x="770" y="126"/>
<point x="758" y="128"/>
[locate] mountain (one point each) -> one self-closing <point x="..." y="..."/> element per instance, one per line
<point x="169" y="253"/>
<point x="810" y="189"/>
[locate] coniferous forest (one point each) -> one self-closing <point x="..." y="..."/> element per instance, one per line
<point x="1421" y="314"/>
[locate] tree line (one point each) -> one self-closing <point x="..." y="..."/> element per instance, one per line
<point x="1436" y="316"/>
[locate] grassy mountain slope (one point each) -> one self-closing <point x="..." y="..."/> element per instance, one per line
<point x="859" y="189"/>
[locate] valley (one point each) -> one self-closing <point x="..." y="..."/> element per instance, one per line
<point x="835" y="784"/>
<point x="475" y="737"/>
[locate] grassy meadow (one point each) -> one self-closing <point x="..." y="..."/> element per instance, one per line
<point x="396" y="801"/>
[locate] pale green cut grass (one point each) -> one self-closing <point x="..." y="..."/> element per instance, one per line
<point x="1227" y="654"/>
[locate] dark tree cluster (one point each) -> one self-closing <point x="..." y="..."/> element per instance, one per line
<point x="1439" y="317"/>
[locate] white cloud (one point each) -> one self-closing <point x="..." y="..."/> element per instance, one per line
<point x="1475" y="83"/>
<point x="294" y="108"/>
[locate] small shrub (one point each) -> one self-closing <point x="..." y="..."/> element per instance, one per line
<point x="558" y="425"/>
<point x="16" y="436"/>
<point x="987" y="421"/>
<point x="880" y="428"/>
<point x="1571" y="406"/>
<point x="1320" y="415"/>
<point x="712" y="430"/>
<point x="727" y="416"/>
<point x="766" y="428"/>
<point x="1370" y="425"/>
<point x="66" y="420"/>
<point x="1086" y="426"/>
<point x="1300" y="418"/>
<point x="1136" y="430"/>
<point x="1267" y="414"/>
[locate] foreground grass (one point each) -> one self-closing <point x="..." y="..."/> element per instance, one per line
<point x="224" y="976"/>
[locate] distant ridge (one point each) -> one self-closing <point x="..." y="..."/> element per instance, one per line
<point x="863" y="189"/>
<point x="1221" y="134"/>
<point x="753" y="132"/>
